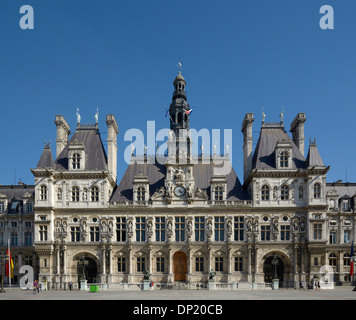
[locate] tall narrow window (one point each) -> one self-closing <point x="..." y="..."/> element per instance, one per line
<point x="95" y="194"/>
<point x="199" y="229"/>
<point x="75" y="194"/>
<point x="121" y="229"/>
<point x="160" y="264"/>
<point x="76" y="161"/>
<point x="238" y="263"/>
<point x="218" y="193"/>
<point x="239" y="228"/>
<point x="141" y="194"/>
<point x="219" y="228"/>
<point x="219" y="264"/>
<point x="332" y="259"/>
<point x="180" y="228"/>
<point x="284" y="192"/>
<point x="317" y="191"/>
<point x="141" y="229"/>
<point x="283" y="159"/>
<point x="43" y="233"/>
<point x="265" y="193"/>
<point x="140" y="264"/>
<point x="121" y="264"/>
<point x="43" y="192"/>
<point x="285" y="232"/>
<point x="160" y="229"/>
<point x="199" y="264"/>
<point x="317" y="231"/>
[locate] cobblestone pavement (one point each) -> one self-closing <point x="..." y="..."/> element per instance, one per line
<point x="339" y="293"/>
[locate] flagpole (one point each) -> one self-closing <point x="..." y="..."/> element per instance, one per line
<point x="9" y="260"/>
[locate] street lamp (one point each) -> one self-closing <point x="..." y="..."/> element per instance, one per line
<point x="3" y="259"/>
<point x="83" y="263"/>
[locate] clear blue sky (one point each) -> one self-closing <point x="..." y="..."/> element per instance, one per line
<point x="121" y="56"/>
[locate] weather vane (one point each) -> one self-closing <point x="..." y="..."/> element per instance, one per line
<point x="179" y="66"/>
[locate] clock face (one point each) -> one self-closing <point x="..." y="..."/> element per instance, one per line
<point x="179" y="191"/>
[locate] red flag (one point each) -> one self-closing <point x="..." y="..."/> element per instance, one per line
<point x="351" y="268"/>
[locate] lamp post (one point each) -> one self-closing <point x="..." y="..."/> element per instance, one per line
<point x="275" y="280"/>
<point x="3" y="259"/>
<point x="83" y="263"/>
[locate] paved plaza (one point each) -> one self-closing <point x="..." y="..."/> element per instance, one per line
<point x="339" y="293"/>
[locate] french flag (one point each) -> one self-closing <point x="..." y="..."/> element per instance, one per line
<point x="351" y="258"/>
<point x="189" y="111"/>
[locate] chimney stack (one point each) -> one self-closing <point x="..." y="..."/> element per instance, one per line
<point x="247" y="147"/>
<point x="297" y="130"/>
<point x="63" y="132"/>
<point x="112" y="145"/>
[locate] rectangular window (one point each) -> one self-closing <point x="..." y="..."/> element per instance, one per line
<point x="285" y="233"/>
<point x="180" y="228"/>
<point x="317" y="228"/>
<point x="265" y="233"/>
<point x="239" y="228"/>
<point x="94" y="234"/>
<point x="141" y="229"/>
<point x="29" y="207"/>
<point x="160" y="264"/>
<point x="121" y="264"/>
<point x="219" y="228"/>
<point x="140" y="264"/>
<point x="219" y="264"/>
<point x="121" y="229"/>
<point x="199" y="264"/>
<point x="14" y="239"/>
<point x="43" y="233"/>
<point x="75" y="234"/>
<point x="238" y="263"/>
<point x="199" y="229"/>
<point x="332" y="237"/>
<point x="28" y="238"/>
<point x="161" y="229"/>
<point x="347" y="236"/>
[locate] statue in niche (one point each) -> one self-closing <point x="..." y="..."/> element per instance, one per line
<point x="179" y="174"/>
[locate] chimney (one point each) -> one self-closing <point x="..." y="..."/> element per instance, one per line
<point x="297" y="130"/>
<point x="247" y="147"/>
<point x="112" y="145"/>
<point x="63" y="132"/>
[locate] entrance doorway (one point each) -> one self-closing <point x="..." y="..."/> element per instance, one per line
<point x="89" y="267"/>
<point x="269" y="270"/>
<point x="179" y="266"/>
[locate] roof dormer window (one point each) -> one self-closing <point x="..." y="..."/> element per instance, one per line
<point x="283" y="154"/>
<point x="284" y="159"/>
<point x="76" y="161"/>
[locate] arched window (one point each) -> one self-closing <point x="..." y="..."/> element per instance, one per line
<point x="284" y="192"/>
<point x="95" y="194"/>
<point x="218" y="193"/>
<point x="283" y="160"/>
<point x="141" y="194"/>
<point x="43" y="192"/>
<point x="75" y="194"/>
<point x="317" y="191"/>
<point x="265" y="193"/>
<point x="332" y="259"/>
<point x="76" y="161"/>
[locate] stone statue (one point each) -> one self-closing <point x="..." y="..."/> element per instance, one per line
<point x="146" y="275"/>
<point x="212" y="274"/>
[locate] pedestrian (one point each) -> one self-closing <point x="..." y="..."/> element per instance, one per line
<point x="36" y="287"/>
<point x="70" y="285"/>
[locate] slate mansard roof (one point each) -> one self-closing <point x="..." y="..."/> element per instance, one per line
<point x="89" y="137"/>
<point x="156" y="173"/>
<point x="264" y="155"/>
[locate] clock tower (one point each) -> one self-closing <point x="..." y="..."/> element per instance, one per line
<point x="179" y="183"/>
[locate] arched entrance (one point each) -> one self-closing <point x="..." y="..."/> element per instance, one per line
<point x="179" y="266"/>
<point x="270" y="270"/>
<point x="87" y="267"/>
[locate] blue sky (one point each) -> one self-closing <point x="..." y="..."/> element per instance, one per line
<point x="120" y="56"/>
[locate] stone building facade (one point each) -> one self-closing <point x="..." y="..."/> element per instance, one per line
<point x="180" y="216"/>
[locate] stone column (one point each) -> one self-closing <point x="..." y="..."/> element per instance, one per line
<point x="249" y="262"/>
